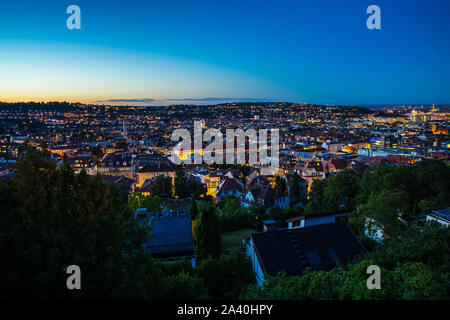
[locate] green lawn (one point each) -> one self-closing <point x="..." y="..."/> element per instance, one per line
<point x="233" y="240"/>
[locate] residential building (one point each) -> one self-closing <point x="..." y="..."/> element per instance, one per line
<point x="319" y="247"/>
<point x="171" y="237"/>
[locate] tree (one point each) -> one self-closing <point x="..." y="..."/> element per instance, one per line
<point x="432" y="185"/>
<point x="97" y="152"/>
<point x="197" y="189"/>
<point x="294" y="189"/>
<point x="194" y="210"/>
<point x="121" y="144"/>
<point x="414" y="281"/>
<point x="342" y="187"/>
<point x="257" y="209"/>
<point x="317" y="285"/>
<point x="317" y="204"/>
<point x="181" y="185"/>
<point x="353" y="283"/>
<point x="224" y="277"/>
<point x="388" y="210"/>
<point x="428" y="244"/>
<point x="185" y="187"/>
<point x="281" y="215"/>
<point x="406" y="281"/>
<point x="280" y="184"/>
<point x="56" y="219"/>
<point x="138" y="200"/>
<point x="328" y="194"/>
<point x="426" y="183"/>
<point x="169" y="268"/>
<point x="182" y="286"/>
<point x="208" y="238"/>
<point x="162" y="187"/>
<point x="234" y="217"/>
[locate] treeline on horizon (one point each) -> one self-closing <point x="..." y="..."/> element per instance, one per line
<point x="65" y="105"/>
<point x="51" y="105"/>
<point x="51" y="218"/>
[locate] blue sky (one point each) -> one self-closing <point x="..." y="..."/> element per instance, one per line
<point x="158" y="52"/>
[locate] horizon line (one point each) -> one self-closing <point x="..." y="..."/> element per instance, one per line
<point x="219" y="101"/>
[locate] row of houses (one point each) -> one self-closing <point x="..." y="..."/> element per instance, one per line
<point x="258" y="189"/>
<point x="320" y="242"/>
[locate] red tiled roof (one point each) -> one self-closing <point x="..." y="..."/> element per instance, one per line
<point x="230" y="184"/>
<point x="397" y="159"/>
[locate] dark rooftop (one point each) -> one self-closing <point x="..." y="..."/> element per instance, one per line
<point x="443" y="214"/>
<point x="171" y="236"/>
<point x="320" y="247"/>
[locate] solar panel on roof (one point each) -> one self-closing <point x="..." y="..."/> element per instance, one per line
<point x="313" y="258"/>
<point x="333" y="255"/>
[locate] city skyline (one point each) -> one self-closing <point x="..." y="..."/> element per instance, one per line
<point x="214" y="158"/>
<point x="150" y="53"/>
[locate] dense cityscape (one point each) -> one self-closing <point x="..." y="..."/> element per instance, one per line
<point x="321" y="210"/>
<point x="224" y="159"/>
<point x="95" y="136"/>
